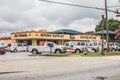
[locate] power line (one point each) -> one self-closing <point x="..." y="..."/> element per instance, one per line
<point x="76" y="5"/>
<point x="113" y="6"/>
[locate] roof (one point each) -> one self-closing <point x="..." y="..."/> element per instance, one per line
<point x="34" y="31"/>
<point x="4" y="35"/>
<point x="66" y="31"/>
<point x="104" y="32"/>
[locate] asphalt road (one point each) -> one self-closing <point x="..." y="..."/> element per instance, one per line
<point x="18" y="56"/>
<point x="59" y="68"/>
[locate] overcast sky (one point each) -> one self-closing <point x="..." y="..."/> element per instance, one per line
<point x="20" y="15"/>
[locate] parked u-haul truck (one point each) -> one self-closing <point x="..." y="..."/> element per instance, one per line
<point x="47" y="47"/>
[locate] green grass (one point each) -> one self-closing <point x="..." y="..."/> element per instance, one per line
<point x="59" y="55"/>
<point x="78" y="54"/>
<point x="113" y="53"/>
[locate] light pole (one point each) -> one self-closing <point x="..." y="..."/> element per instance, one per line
<point x="107" y="27"/>
<point x="102" y="52"/>
<point x="62" y="37"/>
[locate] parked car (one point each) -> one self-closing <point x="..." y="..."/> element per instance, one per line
<point x="75" y="46"/>
<point x="82" y="46"/>
<point x="47" y="47"/>
<point x="15" y="47"/>
<point x="113" y="46"/>
<point x="2" y="50"/>
<point x="93" y="46"/>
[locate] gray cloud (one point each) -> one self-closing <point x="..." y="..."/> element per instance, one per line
<point x="17" y="15"/>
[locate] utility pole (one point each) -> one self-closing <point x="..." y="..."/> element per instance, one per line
<point x="62" y="37"/>
<point x="107" y="27"/>
<point x="102" y="52"/>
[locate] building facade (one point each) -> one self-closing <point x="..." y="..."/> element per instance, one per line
<point x="35" y="37"/>
<point x="6" y="38"/>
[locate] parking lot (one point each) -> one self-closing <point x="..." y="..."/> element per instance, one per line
<point x="19" y="56"/>
<point x="25" y="55"/>
<point x="15" y="56"/>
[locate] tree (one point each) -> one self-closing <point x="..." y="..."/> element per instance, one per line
<point x="113" y="26"/>
<point x="112" y="23"/>
<point x="89" y="32"/>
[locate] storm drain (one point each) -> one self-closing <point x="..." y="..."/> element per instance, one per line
<point x="11" y="72"/>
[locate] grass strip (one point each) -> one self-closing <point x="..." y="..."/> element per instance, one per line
<point x="78" y="54"/>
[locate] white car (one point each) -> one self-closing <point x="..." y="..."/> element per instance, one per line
<point x="15" y="47"/>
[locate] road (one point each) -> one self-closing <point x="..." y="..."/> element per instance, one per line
<point x="19" y="66"/>
<point x="19" y="56"/>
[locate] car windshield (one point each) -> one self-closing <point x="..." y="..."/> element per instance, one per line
<point x="117" y="44"/>
<point x="72" y="44"/>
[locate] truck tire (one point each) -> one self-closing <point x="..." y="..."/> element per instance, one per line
<point x="34" y="51"/>
<point x="94" y="50"/>
<point x="77" y="51"/>
<point x="15" y="50"/>
<point x="113" y="50"/>
<point x="105" y="50"/>
<point x="57" y="51"/>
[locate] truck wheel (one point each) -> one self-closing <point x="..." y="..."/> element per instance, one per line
<point x="57" y="51"/>
<point x="77" y="51"/>
<point x="15" y="50"/>
<point x="113" y="50"/>
<point x="105" y="50"/>
<point x="94" y="50"/>
<point x="34" y="51"/>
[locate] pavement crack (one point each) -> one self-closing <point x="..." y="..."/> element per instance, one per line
<point x="11" y="72"/>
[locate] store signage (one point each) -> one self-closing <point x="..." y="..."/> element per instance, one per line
<point x="52" y="35"/>
<point x="87" y="37"/>
<point x="20" y="35"/>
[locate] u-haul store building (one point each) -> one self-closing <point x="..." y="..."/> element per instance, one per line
<point x="60" y="36"/>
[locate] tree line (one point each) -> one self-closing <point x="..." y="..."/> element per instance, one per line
<point x="113" y="24"/>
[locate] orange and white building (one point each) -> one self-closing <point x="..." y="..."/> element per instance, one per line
<point x="6" y="38"/>
<point x="34" y="37"/>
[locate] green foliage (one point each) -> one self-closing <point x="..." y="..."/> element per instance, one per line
<point x="117" y="33"/>
<point x="89" y="32"/>
<point x="112" y="23"/>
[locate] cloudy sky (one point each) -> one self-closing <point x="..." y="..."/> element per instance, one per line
<point x="20" y="15"/>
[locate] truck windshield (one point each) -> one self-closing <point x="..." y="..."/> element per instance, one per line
<point x="67" y="44"/>
<point x="54" y="44"/>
